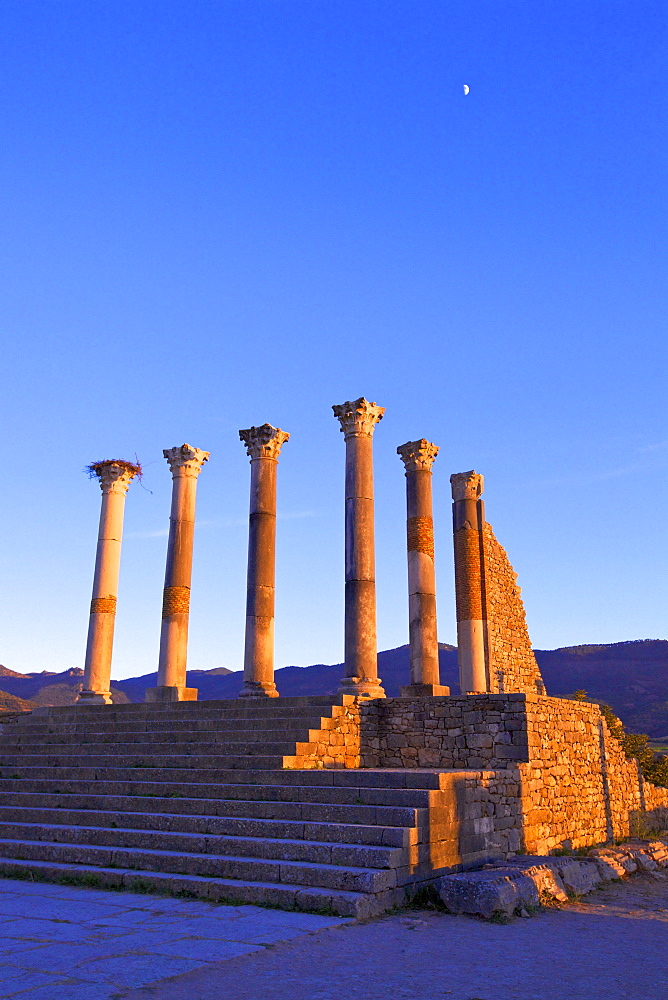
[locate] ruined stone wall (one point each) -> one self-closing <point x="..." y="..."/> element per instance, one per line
<point x="512" y="665"/>
<point x="578" y="786"/>
<point x="550" y="761"/>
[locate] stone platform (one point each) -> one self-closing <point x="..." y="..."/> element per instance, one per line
<point x="203" y="799"/>
<point x="265" y="801"/>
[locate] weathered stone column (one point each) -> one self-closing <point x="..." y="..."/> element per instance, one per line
<point x="358" y="420"/>
<point x="468" y="518"/>
<point x="263" y="445"/>
<point x="186" y="464"/>
<point x="418" y="458"/>
<point x="114" y="477"/>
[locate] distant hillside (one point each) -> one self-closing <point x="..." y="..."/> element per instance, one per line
<point x="6" y="672"/>
<point x="47" y="687"/>
<point x="10" y="703"/>
<point x="321" y="678"/>
<point x="632" y="677"/>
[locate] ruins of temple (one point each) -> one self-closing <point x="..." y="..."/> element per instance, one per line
<point x="347" y="803"/>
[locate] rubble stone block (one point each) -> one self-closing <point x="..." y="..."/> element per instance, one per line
<point x="488" y="893"/>
<point x="609" y="869"/>
<point x="579" y="877"/>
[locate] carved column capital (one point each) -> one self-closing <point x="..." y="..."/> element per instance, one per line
<point x="264" y="442"/>
<point x="185" y="460"/>
<point x="358" y="417"/>
<point x="114" y="475"/>
<point x="418" y="456"/>
<point x="467" y="485"/>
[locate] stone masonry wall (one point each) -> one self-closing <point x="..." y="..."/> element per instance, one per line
<point x="511" y="663"/>
<point x="578" y="786"/>
<point x="546" y="768"/>
<point x="335" y="744"/>
<point x="466" y="731"/>
<point x="474" y="817"/>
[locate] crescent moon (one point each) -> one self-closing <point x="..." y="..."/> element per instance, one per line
<point x="466" y="88"/>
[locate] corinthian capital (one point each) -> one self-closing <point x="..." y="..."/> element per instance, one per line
<point x="358" y="417"/>
<point x="264" y="442"/>
<point x="114" y="474"/>
<point x="467" y="485"/>
<point x="185" y="460"/>
<point x="418" y="456"/>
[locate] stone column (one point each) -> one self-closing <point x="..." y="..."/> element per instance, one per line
<point x="114" y="478"/>
<point x="468" y="518"/>
<point x="263" y="445"/>
<point x="418" y="458"/>
<point x="358" y="420"/>
<point x="185" y="464"/>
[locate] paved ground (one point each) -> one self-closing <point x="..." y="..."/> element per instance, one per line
<point x="60" y="943"/>
<point x="613" y="947"/>
<point x="79" y="944"/>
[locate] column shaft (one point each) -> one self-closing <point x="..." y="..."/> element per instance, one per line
<point x="176" y="595"/>
<point x="186" y="464"/>
<point x="418" y="457"/>
<point x="114" y="479"/>
<point x="259" y="647"/>
<point x="358" y="420"/>
<point x="263" y="445"/>
<point x="468" y="519"/>
<point x="361" y="650"/>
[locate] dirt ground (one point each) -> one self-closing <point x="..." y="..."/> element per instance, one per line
<point x="612" y="945"/>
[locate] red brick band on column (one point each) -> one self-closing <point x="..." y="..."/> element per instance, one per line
<point x="420" y="535"/>
<point x="106" y="605"/>
<point x="175" y="601"/>
<point x="468" y="575"/>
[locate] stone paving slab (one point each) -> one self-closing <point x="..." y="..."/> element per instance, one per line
<point x="81" y="944"/>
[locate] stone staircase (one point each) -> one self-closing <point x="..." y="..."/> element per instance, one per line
<point x="202" y="799"/>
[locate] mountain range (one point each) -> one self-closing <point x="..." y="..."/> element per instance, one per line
<point x="632" y="677"/>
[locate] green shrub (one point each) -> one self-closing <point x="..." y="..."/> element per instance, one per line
<point x="654" y="766"/>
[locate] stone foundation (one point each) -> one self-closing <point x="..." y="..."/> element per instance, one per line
<point x="541" y="773"/>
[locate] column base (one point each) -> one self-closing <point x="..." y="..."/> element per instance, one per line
<point x="94" y="698"/>
<point x="258" y="689"/>
<point x="358" y="687"/>
<point x="167" y="692"/>
<point x="424" y="691"/>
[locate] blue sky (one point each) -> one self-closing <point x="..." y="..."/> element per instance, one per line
<point x="216" y="214"/>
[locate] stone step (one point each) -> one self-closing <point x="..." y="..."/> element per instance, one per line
<point x="290" y="897"/>
<point x="169" y="707"/>
<point x="129" y="782"/>
<point x="166" y="801"/>
<point x="191" y="709"/>
<point x="402" y="778"/>
<point x="257" y="848"/>
<point x="334" y="833"/>
<point x="72" y="754"/>
<point x="296" y="718"/>
<point x="113" y="741"/>
<point x="165" y="755"/>
<point x="324" y="876"/>
<point x="182" y="763"/>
